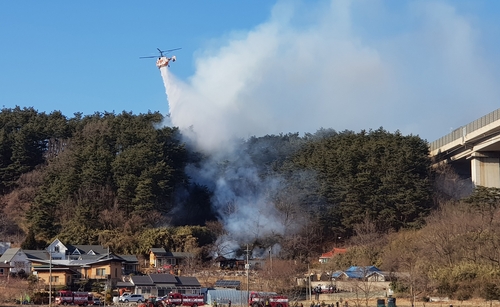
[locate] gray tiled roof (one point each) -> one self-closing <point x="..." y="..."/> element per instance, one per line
<point x="163" y="278"/>
<point x="158" y="250"/>
<point x="188" y="281"/>
<point x="89" y="257"/>
<point x="129" y="258"/>
<point x="158" y="279"/>
<point x="37" y="254"/>
<point x="142" y="281"/>
<point x="85" y="249"/>
<point x="9" y="254"/>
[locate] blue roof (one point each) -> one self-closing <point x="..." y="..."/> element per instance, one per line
<point x="370" y="268"/>
<point x="360" y="271"/>
<point x="337" y="274"/>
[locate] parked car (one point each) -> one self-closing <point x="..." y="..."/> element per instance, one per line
<point x="98" y="302"/>
<point x="138" y="298"/>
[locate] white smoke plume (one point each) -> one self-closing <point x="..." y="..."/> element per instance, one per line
<point x="323" y="64"/>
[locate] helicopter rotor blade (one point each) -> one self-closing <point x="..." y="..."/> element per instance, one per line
<point x="148" y="57"/>
<point x="169" y="50"/>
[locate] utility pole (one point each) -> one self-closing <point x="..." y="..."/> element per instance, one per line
<point x="247" y="267"/>
<point x="271" y="257"/>
<point x="309" y="283"/>
<point x="50" y="278"/>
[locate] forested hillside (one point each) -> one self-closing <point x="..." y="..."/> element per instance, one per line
<point x="110" y="178"/>
<point x="102" y="178"/>
<point x="128" y="182"/>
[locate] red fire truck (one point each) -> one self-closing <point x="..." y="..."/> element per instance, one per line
<point x="267" y="299"/>
<point x="65" y="297"/>
<point x="179" y="299"/>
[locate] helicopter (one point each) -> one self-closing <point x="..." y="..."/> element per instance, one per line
<point x="162" y="59"/>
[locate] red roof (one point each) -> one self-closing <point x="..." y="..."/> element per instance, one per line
<point x="334" y="252"/>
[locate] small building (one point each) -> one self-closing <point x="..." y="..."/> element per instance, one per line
<point x="160" y="284"/>
<point x="223" y="296"/>
<point x="57" y="276"/>
<point x="144" y="285"/>
<point x="239" y="264"/>
<point x="227" y="284"/>
<point x="160" y="258"/>
<point x="188" y="285"/>
<point x="324" y="258"/>
<point x="4" y="270"/>
<point x="17" y="261"/>
<point x="130" y="264"/>
<point x="229" y="263"/>
<point x="368" y="273"/>
<point x="163" y="282"/>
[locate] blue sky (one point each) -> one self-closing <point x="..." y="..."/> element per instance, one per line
<point x="83" y="56"/>
<point x="261" y="66"/>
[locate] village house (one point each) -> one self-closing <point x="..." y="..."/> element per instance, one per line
<point x="166" y="261"/>
<point x="107" y="268"/>
<point x="4" y="270"/>
<point x="160" y="284"/>
<point x="17" y="261"/>
<point x="324" y="258"/>
<point x="67" y="264"/>
<point x="368" y="273"/>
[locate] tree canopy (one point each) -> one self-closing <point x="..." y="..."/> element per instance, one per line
<point x="376" y="174"/>
<point x="93" y="178"/>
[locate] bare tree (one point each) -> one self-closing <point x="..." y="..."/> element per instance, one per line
<point x="363" y="286"/>
<point x="403" y="258"/>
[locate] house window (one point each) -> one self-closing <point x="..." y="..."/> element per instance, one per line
<point x="54" y="279"/>
<point x="56" y="249"/>
<point x="100" y="272"/>
<point x="1" y="271"/>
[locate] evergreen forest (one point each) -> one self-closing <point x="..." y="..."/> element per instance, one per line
<point x="130" y="183"/>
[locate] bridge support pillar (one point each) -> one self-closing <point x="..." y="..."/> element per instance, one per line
<point x="485" y="168"/>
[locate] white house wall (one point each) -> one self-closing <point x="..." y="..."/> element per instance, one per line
<point x="20" y="262"/>
<point x="57" y="249"/>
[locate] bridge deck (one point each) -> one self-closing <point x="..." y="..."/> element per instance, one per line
<point x="480" y="128"/>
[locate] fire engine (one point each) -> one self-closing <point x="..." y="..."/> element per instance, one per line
<point x="179" y="299"/>
<point x="65" y="297"/>
<point x="267" y="299"/>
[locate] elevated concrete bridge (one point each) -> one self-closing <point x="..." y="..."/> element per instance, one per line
<point x="473" y="150"/>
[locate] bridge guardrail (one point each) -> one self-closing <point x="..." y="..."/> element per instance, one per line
<point x="464" y="130"/>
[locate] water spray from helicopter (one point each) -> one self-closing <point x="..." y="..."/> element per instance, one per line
<point x="241" y="198"/>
